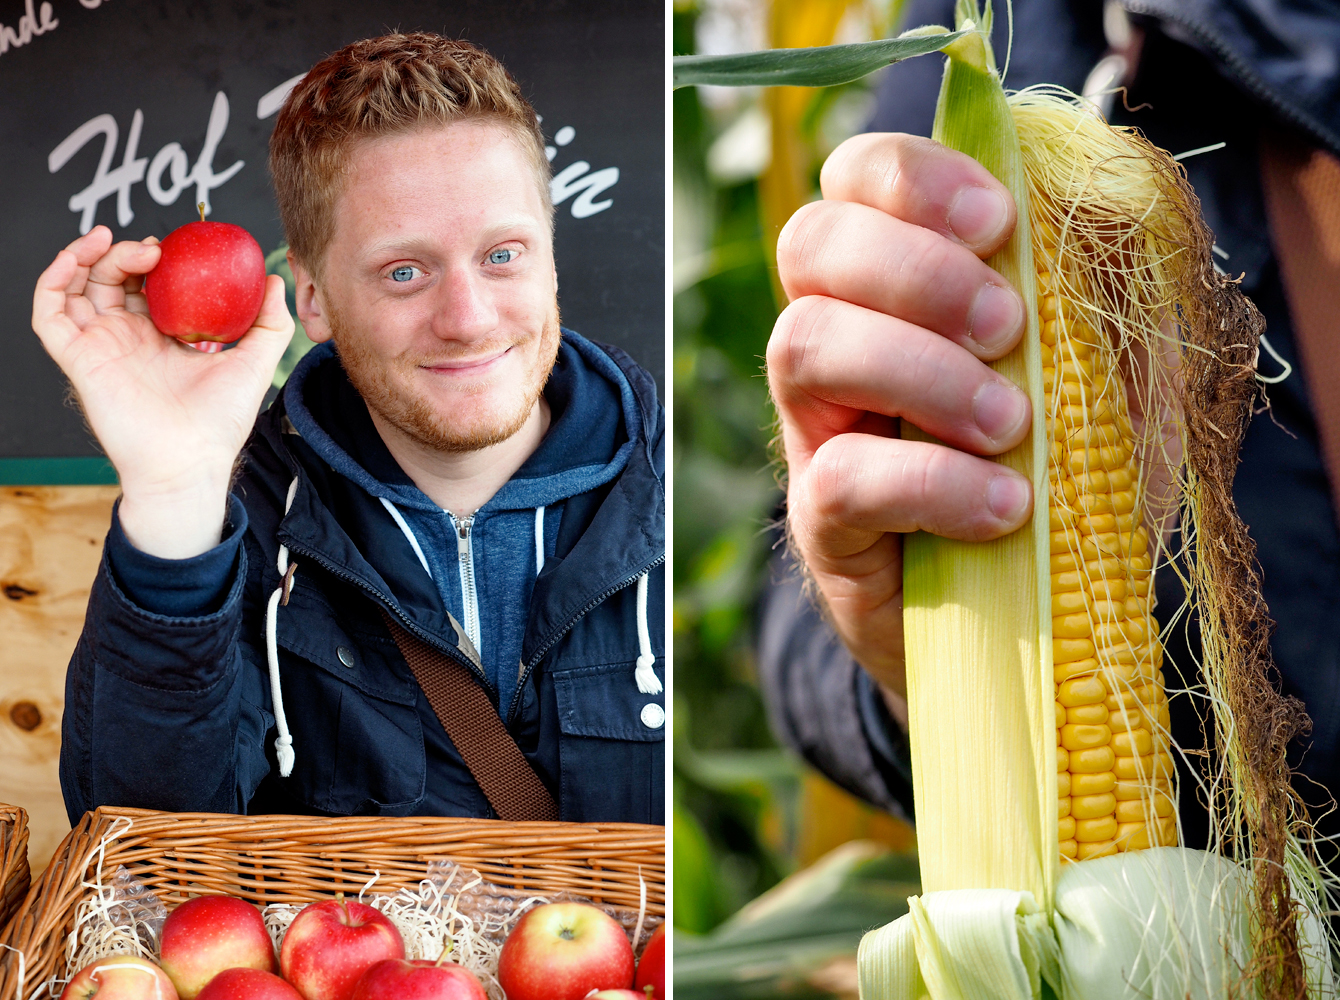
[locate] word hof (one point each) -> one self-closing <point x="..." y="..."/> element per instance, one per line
<point x="170" y="172"/>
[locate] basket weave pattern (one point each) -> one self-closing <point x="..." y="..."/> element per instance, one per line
<point x="302" y="859"/>
<point x="15" y="876"/>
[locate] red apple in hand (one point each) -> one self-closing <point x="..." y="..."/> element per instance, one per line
<point x="207" y="934"/>
<point x="420" y="979"/>
<point x="209" y="282"/>
<point x="331" y="944"/>
<point x="248" y="984"/>
<point x="563" y="951"/>
<point x="651" y="966"/>
<point x="120" y="977"/>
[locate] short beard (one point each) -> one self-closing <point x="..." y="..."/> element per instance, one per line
<point x="413" y="415"/>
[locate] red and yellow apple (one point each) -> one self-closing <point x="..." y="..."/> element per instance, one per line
<point x="331" y="944"/>
<point x="418" y="979"/>
<point x="207" y="934"/>
<point x="120" y="977"/>
<point x="563" y="951"/>
<point x="209" y="282"/>
<point x="248" y="984"/>
<point x="651" y="966"/>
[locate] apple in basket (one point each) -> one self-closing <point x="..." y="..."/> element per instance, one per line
<point x="651" y="966"/>
<point x="207" y="934"/>
<point x="248" y="984"/>
<point x="419" y="979"/>
<point x="563" y="951"/>
<point x="331" y="944"/>
<point x="120" y="977"/>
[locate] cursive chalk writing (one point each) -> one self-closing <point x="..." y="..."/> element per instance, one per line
<point x="170" y="160"/>
<point x="30" y="24"/>
<point x="574" y="179"/>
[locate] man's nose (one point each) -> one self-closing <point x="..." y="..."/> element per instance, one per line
<point x="465" y="309"/>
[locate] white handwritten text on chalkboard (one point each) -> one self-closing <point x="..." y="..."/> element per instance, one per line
<point x="30" y="24"/>
<point x="170" y="160"/>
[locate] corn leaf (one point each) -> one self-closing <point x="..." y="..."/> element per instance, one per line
<point x="823" y="66"/>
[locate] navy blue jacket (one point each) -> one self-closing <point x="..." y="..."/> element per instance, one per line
<point x="174" y="712"/>
<point x="1234" y="71"/>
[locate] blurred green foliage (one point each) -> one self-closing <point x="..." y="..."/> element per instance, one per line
<point x="733" y="789"/>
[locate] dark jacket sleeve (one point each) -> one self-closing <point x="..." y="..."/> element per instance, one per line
<point x="822" y="704"/>
<point x="164" y="711"/>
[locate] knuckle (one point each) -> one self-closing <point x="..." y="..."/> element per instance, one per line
<point x="797" y="341"/>
<point x="800" y="244"/>
<point x="832" y="472"/>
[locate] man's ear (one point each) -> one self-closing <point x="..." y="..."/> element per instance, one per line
<point x="311" y="310"/>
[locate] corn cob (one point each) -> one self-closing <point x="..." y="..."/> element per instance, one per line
<point x="1114" y="769"/>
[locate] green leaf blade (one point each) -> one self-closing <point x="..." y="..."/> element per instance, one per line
<point x="822" y="66"/>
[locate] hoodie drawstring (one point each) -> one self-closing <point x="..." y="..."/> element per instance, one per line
<point x="284" y="742"/>
<point x="399" y="519"/>
<point x="645" y="674"/>
<point x="539" y="540"/>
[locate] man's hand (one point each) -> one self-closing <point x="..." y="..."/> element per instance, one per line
<point x="171" y="419"/>
<point x="893" y="315"/>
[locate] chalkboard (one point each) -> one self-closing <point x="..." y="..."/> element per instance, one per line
<point x="96" y="92"/>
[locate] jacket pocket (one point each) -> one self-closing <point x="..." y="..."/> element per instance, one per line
<point x="611" y="745"/>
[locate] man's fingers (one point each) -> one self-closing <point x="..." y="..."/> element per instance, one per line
<point x="110" y="273"/>
<point x="858" y="486"/>
<point x="92" y="245"/>
<point x="861" y="255"/>
<point x="50" y="322"/>
<point x="830" y="361"/>
<point x="273" y="329"/>
<point x="922" y="182"/>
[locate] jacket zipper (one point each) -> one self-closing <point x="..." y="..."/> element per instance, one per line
<point x="567" y="626"/>
<point x="465" y="554"/>
<point x="387" y="603"/>
<point x="1239" y="67"/>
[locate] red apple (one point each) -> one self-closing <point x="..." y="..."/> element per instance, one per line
<point x="563" y="951"/>
<point x="651" y="966"/>
<point x="209" y="282"/>
<point x="330" y="944"/>
<point x="419" y="979"/>
<point x="207" y="934"/>
<point x="120" y="977"/>
<point x="248" y="984"/>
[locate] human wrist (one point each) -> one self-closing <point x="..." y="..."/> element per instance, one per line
<point x="174" y="523"/>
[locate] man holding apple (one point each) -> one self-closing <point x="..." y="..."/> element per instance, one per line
<point x="447" y="471"/>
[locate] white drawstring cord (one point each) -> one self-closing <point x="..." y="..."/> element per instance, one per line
<point x="647" y="681"/>
<point x="284" y="742"/>
<point x="404" y="528"/>
<point x="539" y="540"/>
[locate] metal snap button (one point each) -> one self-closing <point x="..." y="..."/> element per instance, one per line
<point x="653" y="716"/>
<point x="345" y="654"/>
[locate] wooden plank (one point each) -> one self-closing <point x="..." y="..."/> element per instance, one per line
<point x="50" y="545"/>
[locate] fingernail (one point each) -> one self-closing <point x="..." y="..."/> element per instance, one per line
<point x="999" y="409"/>
<point x="977" y="215"/>
<point x="996" y="318"/>
<point x="1008" y="498"/>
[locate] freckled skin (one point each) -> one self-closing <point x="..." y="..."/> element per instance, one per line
<point x="207" y="934"/>
<point x="331" y="944"/>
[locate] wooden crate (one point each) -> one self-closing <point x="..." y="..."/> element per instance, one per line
<point x="301" y="859"/>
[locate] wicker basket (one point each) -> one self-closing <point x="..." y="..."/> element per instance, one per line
<point x="299" y="859"/>
<point x="15" y="876"/>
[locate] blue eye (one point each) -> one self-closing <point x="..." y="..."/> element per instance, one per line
<point x="403" y="273"/>
<point x="502" y="256"/>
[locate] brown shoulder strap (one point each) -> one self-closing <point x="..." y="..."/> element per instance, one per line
<point x="504" y="775"/>
<point x="1302" y="189"/>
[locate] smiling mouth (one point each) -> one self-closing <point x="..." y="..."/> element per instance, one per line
<point x="467" y="366"/>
